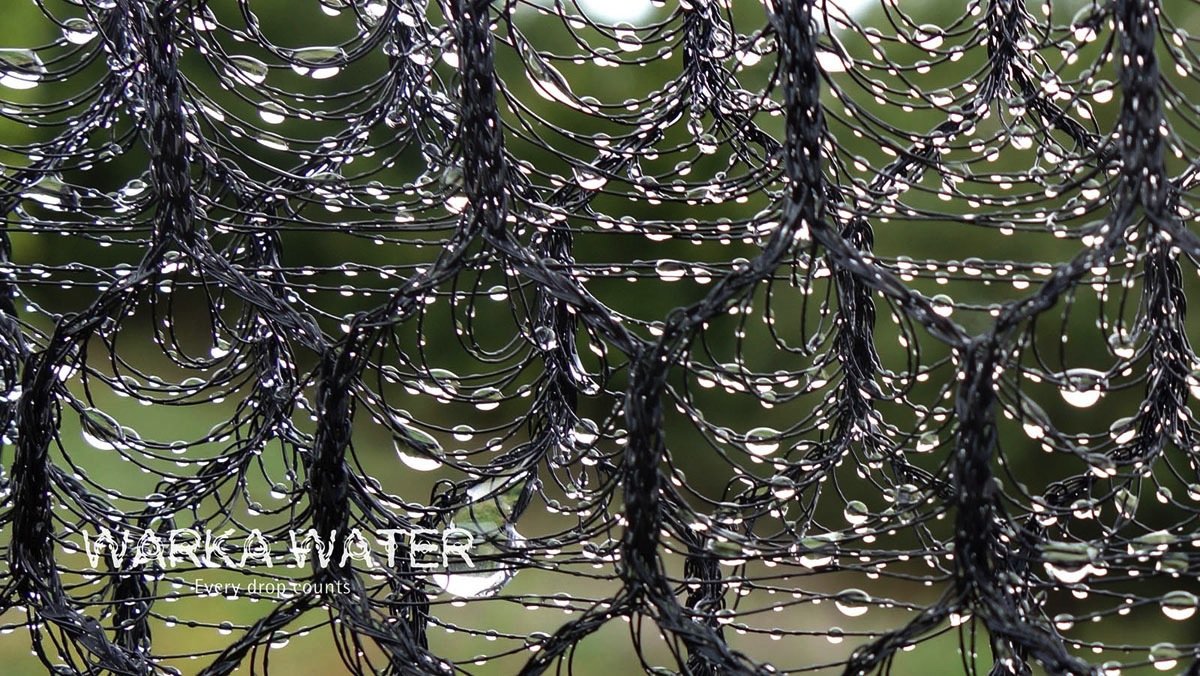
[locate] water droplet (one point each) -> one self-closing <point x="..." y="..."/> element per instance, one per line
<point x="78" y="31"/>
<point x="853" y="602"/>
<point x="762" y="441"/>
<point x="546" y="80"/>
<point x="544" y="338"/>
<point x="247" y="69"/>
<point x="417" y="448"/>
<point x="100" y="430"/>
<point x="585" y="433"/>
<point x="272" y="112"/>
<point x="669" y="270"/>
<point x="1164" y="656"/>
<point x="1068" y="562"/>
<point x="927" y="442"/>
<point x="782" y="487"/>
<point x="20" y="68"/>
<point x="319" y="63"/>
<point x="1034" y="430"/>
<point x="51" y="191"/>
<point x="1179" y="605"/>
<point x="830" y="62"/>
<point x="929" y="36"/>
<point x="1082" y="388"/>
<point x="487" y="517"/>
<point x="1123" y="430"/>
<point x="943" y="305"/>
<point x="1126" y="502"/>
<point x="589" y="179"/>
<point x="219" y="349"/>
<point x="856" y="513"/>
<point x="1193" y="382"/>
<point x="488" y="398"/>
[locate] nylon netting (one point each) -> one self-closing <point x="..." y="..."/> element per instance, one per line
<point x="735" y="338"/>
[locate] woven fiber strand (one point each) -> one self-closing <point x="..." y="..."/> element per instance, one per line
<point x="699" y="337"/>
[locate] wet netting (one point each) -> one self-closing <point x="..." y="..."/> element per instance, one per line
<point x="597" y="337"/>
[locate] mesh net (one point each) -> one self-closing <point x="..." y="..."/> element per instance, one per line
<point x="513" y="336"/>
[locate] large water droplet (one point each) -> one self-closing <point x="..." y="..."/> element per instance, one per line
<point x="1193" y="382"/>
<point x="488" y="518"/>
<point x="1068" y="562"/>
<point x="856" y="513"/>
<point x="1123" y="430"/>
<point x="51" y="191"/>
<point x="1126" y="502"/>
<point x="853" y="602"/>
<point x="20" y="68"/>
<point x="272" y="112"/>
<point x="100" y="430"/>
<point x="927" y="442"/>
<point x="1164" y="656"/>
<point x="544" y="338"/>
<point x="318" y="63"/>
<point x="1082" y="387"/>
<point x="943" y="305"/>
<point x="669" y="270"/>
<point x="830" y="62"/>
<point x="78" y="31"/>
<point x="589" y="179"/>
<point x="762" y="441"/>
<point x="247" y="69"/>
<point x="488" y="398"/>
<point x="417" y="449"/>
<point x="1179" y="605"/>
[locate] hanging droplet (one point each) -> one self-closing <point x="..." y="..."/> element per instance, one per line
<point x="418" y="449"/>
<point x="272" y="112"/>
<point x="927" y="442"/>
<point x="78" y="31"/>
<point x="487" y="518"/>
<point x="830" y="62"/>
<point x="762" y="441"/>
<point x="1068" y="562"/>
<point x="929" y="36"/>
<point x="1179" y="605"/>
<point x="669" y="270"/>
<point x="100" y="430"/>
<point x="247" y="69"/>
<point x="319" y="63"/>
<point x="1122" y="430"/>
<point x="1193" y="382"/>
<point x="589" y="179"/>
<point x="943" y="305"/>
<point x="1122" y="345"/>
<point x="1126" y="502"/>
<point x="856" y="513"/>
<point x="51" y="192"/>
<point x="20" y="68"/>
<point x="1082" y="388"/>
<point x="585" y="433"/>
<point x="853" y="602"/>
<point x="1022" y="137"/>
<point x="546" y="80"/>
<point x="544" y="338"/>
<point x="1164" y="656"/>
<point x="488" y="398"/>
<point x="782" y="487"/>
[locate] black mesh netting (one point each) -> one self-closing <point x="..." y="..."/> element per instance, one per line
<point x="496" y="337"/>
